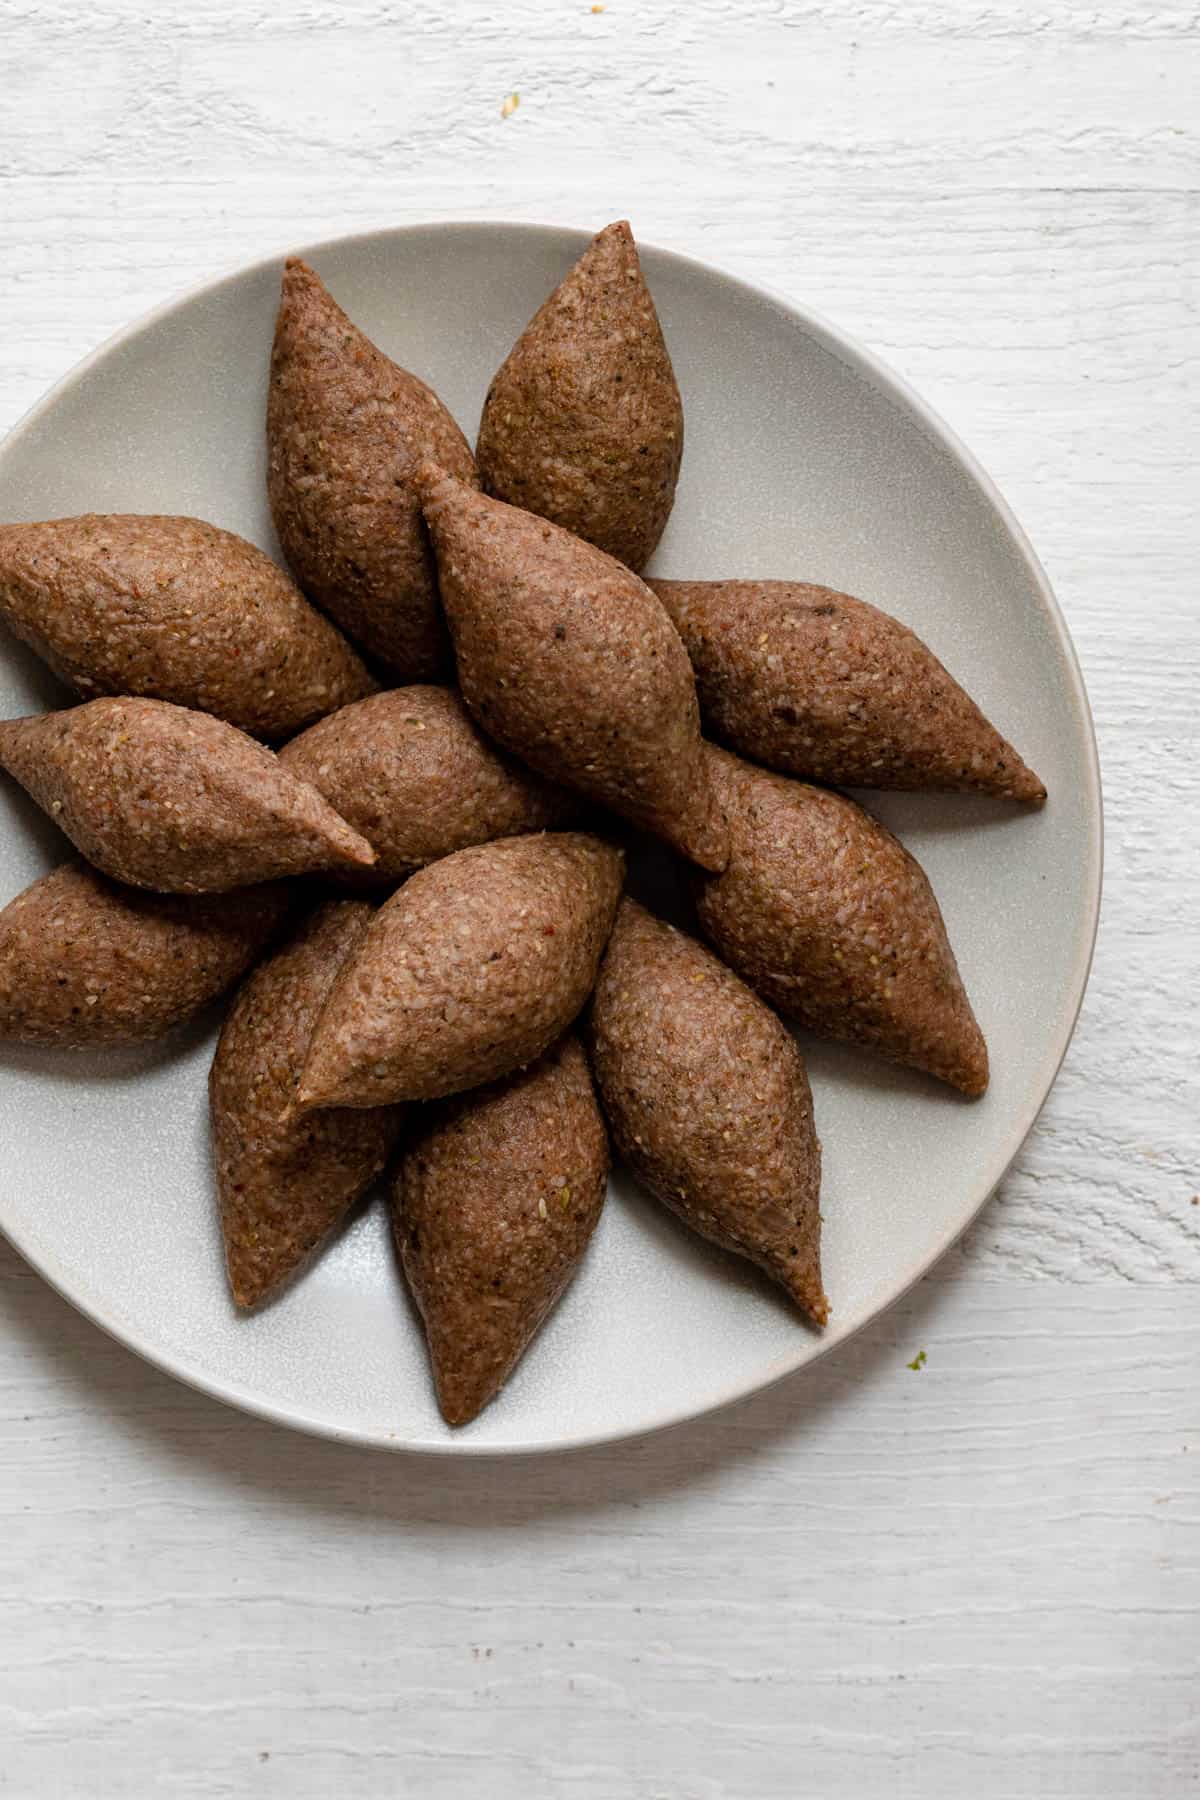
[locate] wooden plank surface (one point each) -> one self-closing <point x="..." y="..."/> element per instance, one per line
<point x="980" y="1577"/>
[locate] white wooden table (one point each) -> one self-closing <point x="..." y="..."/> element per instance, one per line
<point x="977" y="1579"/>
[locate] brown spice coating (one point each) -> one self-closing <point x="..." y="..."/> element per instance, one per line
<point x="469" y="971"/>
<point x="344" y="426"/>
<point x="829" y="918"/>
<point x="493" y="1207"/>
<point x="708" y="1101"/>
<point x="569" y="661"/>
<point x="284" y="1184"/>
<point x="819" y="684"/>
<point x="84" y="962"/>
<point x="174" y="800"/>
<point x="411" y="772"/>
<point x="175" y="609"/>
<point x="583" y="423"/>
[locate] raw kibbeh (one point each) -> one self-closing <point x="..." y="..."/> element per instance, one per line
<point x="166" y="798"/>
<point x="472" y="969"/>
<point x="344" y="427"/>
<point x="285" y="1183"/>
<point x="175" y="609"/>
<point x="830" y="919"/>
<point x="84" y="961"/>
<point x="569" y="661"/>
<point x="412" y="773"/>
<point x="708" y="1101"/>
<point x="493" y="1206"/>
<point x="583" y="423"/>
<point x="816" y="683"/>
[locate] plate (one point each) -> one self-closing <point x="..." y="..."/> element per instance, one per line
<point x="805" y="457"/>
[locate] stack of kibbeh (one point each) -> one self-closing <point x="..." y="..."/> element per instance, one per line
<point x="392" y="798"/>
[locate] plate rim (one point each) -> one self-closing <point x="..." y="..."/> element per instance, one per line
<point x="897" y="391"/>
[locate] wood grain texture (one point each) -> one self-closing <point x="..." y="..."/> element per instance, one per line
<point x="982" y="1576"/>
<point x="873" y="1581"/>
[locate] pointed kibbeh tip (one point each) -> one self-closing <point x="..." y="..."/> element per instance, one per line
<point x="583" y="423"/>
<point x="831" y="920"/>
<point x="569" y="661"/>
<point x="472" y="969"/>
<point x="344" y="427"/>
<point x="169" y="799"/>
<point x="415" y="776"/>
<point x="708" y="1101"/>
<point x="85" y="962"/>
<point x="818" y="684"/>
<point x="493" y="1207"/>
<point x="175" y="609"/>
<point x="285" y="1183"/>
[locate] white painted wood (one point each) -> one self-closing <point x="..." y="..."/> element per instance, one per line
<point x="981" y="1577"/>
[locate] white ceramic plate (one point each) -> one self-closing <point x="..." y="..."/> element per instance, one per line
<point x="804" y="458"/>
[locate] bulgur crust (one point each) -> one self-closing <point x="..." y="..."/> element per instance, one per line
<point x="819" y="684"/>
<point x="471" y="970"/>
<point x="174" y="800"/>
<point x="493" y="1206"/>
<point x="344" y="426"/>
<point x="829" y="918"/>
<point x="567" y="659"/>
<point x="583" y="423"/>
<point x="175" y="609"/>
<point x="284" y="1184"/>
<point x="85" y="962"/>
<point x="415" y="776"/>
<point x="707" y="1099"/>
